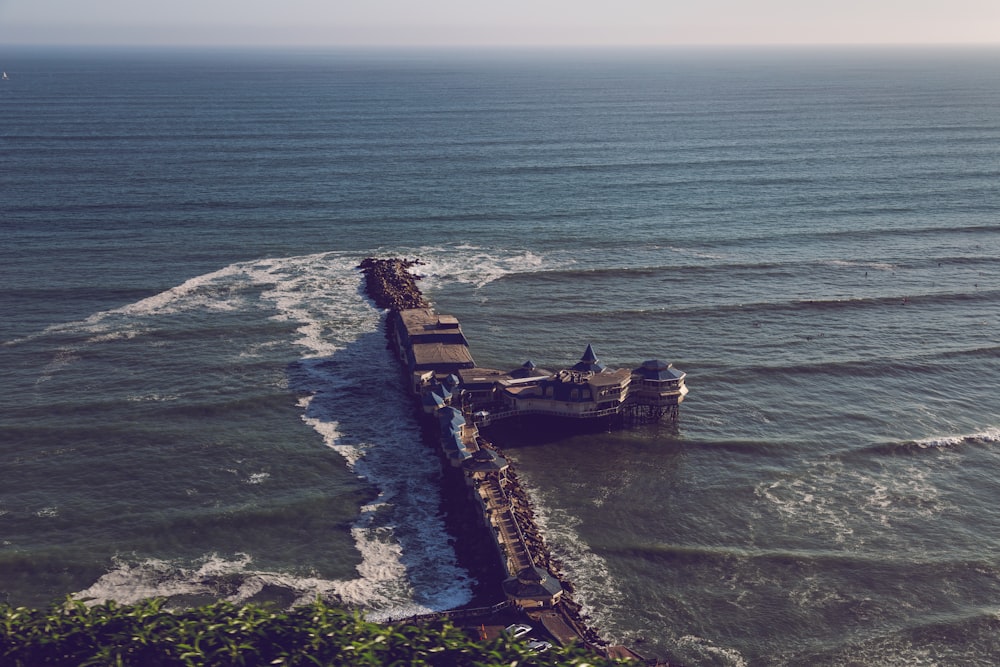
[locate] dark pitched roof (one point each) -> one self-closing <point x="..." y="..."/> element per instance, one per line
<point x="588" y="362"/>
<point x="527" y="370"/>
<point x="451" y="419"/>
<point x="484" y="460"/>
<point x="532" y="583"/>
<point x="654" y="369"/>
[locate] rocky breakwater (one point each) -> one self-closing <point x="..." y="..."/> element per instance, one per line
<point x="391" y="285"/>
<point x="524" y="514"/>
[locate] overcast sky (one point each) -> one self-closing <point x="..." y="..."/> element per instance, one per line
<point x="498" y="22"/>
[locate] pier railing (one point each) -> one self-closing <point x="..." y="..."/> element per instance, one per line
<point x="463" y="613"/>
<point x="484" y="420"/>
<point x="510" y="534"/>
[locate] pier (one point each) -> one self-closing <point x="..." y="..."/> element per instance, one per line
<point x="455" y="398"/>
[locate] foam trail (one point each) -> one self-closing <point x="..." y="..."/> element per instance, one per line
<point x="703" y="651"/>
<point x="406" y="564"/>
<point x="844" y="505"/>
<point x="348" y="393"/>
<point x="472" y="265"/>
<point x="594" y="587"/>
<point x="987" y="436"/>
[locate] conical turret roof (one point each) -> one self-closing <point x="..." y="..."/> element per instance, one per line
<point x="588" y="362"/>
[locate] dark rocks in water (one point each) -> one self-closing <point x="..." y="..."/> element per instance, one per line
<point x="389" y="283"/>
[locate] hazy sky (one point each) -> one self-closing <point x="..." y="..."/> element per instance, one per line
<point x="499" y="22"/>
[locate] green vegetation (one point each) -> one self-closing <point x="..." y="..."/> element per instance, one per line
<point x="149" y="635"/>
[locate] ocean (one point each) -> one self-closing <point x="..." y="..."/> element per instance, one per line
<point x="198" y="402"/>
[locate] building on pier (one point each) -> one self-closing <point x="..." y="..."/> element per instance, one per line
<point x="587" y="391"/>
<point x="527" y="585"/>
<point x="431" y="346"/>
<point x="461" y="397"/>
<point x="442" y="372"/>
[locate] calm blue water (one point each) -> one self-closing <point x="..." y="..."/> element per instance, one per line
<point x="197" y="401"/>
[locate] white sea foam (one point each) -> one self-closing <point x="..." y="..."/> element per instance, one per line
<point x="850" y="505"/>
<point x="225" y="290"/>
<point x="214" y="291"/>
<point x="352" y="399"/>
<point x="473" y="265"/>
<point x="257" y="350"/>
<point x="706" y="653"/>
<point x="320" y="294"/>
<point x="895" y="651"/>
<point x="120" y="334"/>
<point x="987" y="436"/>
<point x="603" y="491"/>
<point x="873" y="266"/>
<point x="151" y="398"/>
<point x="596" y="590"/>
<point x="814" y="592"/>
<point x="699" y="254"/>
<point x="328" y="430"/>
<point x="128" y="582"/>
<point x="349" y="394"/>
<point x="62" y="358"/>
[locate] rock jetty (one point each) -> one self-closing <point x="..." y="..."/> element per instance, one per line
<point x="391" y="285"/>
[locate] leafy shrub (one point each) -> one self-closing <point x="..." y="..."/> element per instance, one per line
<point x="148" y="635"/>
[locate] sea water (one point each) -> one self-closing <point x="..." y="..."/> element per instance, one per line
<point x="198" y="403"/>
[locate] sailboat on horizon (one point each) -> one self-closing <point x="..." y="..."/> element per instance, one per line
<point x="4" y="76"/>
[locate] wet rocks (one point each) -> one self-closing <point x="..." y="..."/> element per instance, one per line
<point x="389" y="283"/>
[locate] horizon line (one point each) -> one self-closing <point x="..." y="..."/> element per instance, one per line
<point x="493" y="46"/>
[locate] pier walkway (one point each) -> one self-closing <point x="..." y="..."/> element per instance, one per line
<point x="509" y="532"/>
<point x="533" y="585"/>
